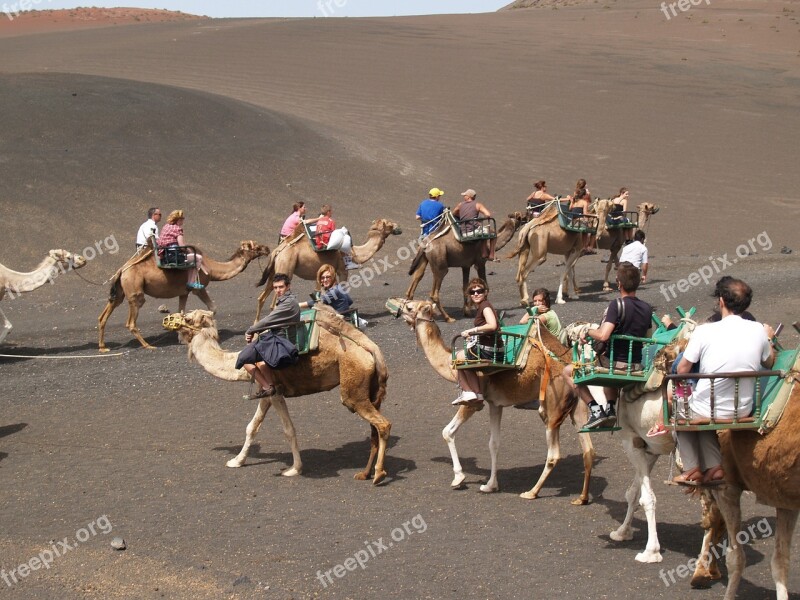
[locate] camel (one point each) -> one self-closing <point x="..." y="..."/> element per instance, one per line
<point x="444" y="251"/>
<point x="345" y="357"/>
<point x="141" y="276"/>
<point x="15" y="283"/>
<point x="637" y="412"/>
<point x="507" y="388"/>
<point x="294" y="256"/>
<point x="767" y="466"/>
<point x="544" y="235"/>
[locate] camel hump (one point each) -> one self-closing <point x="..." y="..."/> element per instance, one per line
<point x="334" y="324"/>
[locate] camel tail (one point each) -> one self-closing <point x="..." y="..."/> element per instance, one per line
<point x="416" y="261"/>
<point x="267" y="270"/>
<point x="115" y="286"/>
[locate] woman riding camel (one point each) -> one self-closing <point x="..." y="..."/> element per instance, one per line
<point x="172" y="236"/>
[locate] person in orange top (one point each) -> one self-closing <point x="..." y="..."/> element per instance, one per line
<point x="325" y="225"/>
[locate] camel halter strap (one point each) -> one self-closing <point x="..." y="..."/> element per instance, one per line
<point x="175" y="321"/>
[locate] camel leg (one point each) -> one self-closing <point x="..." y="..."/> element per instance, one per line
<point x="250" y="433"/>
<point x="652" y="552"/>
<point x="374" y="445"/>
<point x="787" y="520"/>
<point x="449" y="435"/>
<point x="553" y="456"/>
<point x="707" y="569"/>
<point x="625" y="532"/>
<point x="103" y="318"/>
<point x="279" y="402"/>
<point x="372" y="416"/>
<point x="467" y="309"/>
<point x="613" y="261"/>
<point x="6" y="327"/>
<point x="438" y="277"/>
<point x="495" y="414"/>
<point x="205" y="299"/>
<point x="587" y="450"/>
<point x="135" y="302"/>
<point x="728" y="499"/>
<point x="417" y="277"/>
<point x="522" y="274"/>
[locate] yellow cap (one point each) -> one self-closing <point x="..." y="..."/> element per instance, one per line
<point x="435" y="193"/>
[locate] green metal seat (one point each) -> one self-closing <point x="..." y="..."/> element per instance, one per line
<point x="511" y="339"/>
<point x="174" y="257"/>
<point x="771" y="391"/>
<point x="315" y="239"/>
<point x="585" y="223"/>
<point x="622" y="220"/>
<point x="588" y="371"/>
<point x="472" y="230"/>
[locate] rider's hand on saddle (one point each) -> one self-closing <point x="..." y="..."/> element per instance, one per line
<point x="248" y="337"/>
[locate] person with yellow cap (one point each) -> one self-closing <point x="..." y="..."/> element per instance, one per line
<point x="430" y="210"/>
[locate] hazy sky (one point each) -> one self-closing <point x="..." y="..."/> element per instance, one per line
<point x="292" y="8"/>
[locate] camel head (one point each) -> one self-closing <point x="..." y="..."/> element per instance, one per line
<point x="191" y="324"/>
<point x="385" y="227"/>
<point x="252" y="250"/>
<point x="411" y="310"/>
<point x="646" y="210"/>
<point x="67" y="259"/>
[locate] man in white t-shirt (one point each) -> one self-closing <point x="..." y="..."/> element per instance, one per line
<point x="636" y="254"/>
<point x="148" y="228"/>
<point x="730" y="345"/>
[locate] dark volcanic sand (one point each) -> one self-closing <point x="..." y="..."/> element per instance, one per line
<point x="367" y="114"/>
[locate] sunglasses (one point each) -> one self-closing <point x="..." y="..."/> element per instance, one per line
<point x="476" y="292"/>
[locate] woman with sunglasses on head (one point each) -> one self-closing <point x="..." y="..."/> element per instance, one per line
<point x="481" y="343"/>
<point x="330" y="292"/>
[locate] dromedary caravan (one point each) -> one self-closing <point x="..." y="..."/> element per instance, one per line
<point x="296" y="257"/>
<point x="508" y="388"/>
<point x="444" y="251"/>
<point x="345" y="358"/>
<point x="14" y="283"/>
<point x="141" y="276"/>
<point x="544" y="235"/>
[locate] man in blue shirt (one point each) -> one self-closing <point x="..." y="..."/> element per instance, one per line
<point x="430" y="210"/>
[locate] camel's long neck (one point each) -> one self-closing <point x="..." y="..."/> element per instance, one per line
<point x="206" y="351"/>
<point x="363" y="253"/>
<point x="438" y="354"/>
<point x="222" y="271"/>
<point x="19" y="283"/>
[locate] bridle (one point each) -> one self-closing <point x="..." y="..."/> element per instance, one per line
<point x="175" y="321"/>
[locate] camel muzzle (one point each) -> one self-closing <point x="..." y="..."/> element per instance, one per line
<point x="175" y="321"/>
<point x="397" y="231"/>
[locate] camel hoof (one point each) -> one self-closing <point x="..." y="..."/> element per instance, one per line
<point x="149" y="347"/>
<point x="523" y="304"/>
<point x="649" y="557"/>
<point x="489" y="489"/>
<point x="606" y="288"/>
<point x="361" y="476"/>
<point x="103" y="349"/>
<point x="621" y="536"/>
<point x="700" y="582"/>
<point x="580" y="502"/>
<point x="450" y="320"/>
<point x="529" y="495"/>
<point x="234" y="463"/>
<point x="379" y="478"/>
<point x="458" y="481"/>
<point x="560" y="301"/>
<point x="293" y="471"/>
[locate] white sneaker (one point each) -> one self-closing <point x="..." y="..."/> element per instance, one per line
<point x="349" y="263"/>
<point x="464" y="398"/>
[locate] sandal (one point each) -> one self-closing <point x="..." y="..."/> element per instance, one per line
<point x="693" y="477"/>
<point x="264" y="393"/>
<point x="714" y="476"/>
<point x="656" y="430"/>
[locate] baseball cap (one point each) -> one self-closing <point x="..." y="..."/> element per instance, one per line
<point x="470" y="193"/>
<point x="435" y="193"/>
